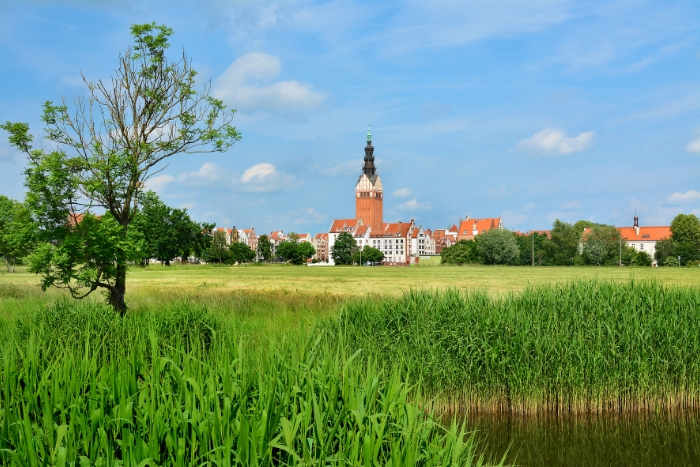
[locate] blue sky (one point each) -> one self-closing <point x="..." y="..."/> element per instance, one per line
<point x="530" y="110"/>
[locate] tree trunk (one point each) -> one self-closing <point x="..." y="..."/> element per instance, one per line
<point x="7" y="263"/>
<point x="118" y="292"/>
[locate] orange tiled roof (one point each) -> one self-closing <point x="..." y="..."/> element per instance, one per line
<point x="339" y="224"/>
<point x="468" y="226"/>
<point x="320" y="236"/>
<point x="648" y="234"/>
<point x="361" y="230"/>
<point x="399" y="229"/>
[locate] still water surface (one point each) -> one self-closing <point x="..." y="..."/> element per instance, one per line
<point x="640" y="440"/>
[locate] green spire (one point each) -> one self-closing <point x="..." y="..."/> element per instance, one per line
<point x="369" y="134"/>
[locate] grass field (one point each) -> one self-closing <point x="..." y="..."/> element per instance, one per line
<point x="283" y="365"/>
<point x="177" y="281"/>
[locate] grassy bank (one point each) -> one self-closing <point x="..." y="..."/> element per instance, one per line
<point x="177" y="386"/>
<point x="586" y="346"/>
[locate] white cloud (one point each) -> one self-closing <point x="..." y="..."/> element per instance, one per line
<point x="414" y="205"/>
<point x="237" y="87"/>
<point x="529" y="207"/>
<point x="208" y="172"/>
<point x="678" y="198"/>
<point x="403" y="193"/>
<point x="159" y="182"/>
<point x="258" y="170"/>
<point x="263" y="178"/>
<point x="694" y="146"/>
<point x="554" y="141"/>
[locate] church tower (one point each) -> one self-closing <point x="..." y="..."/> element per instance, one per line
<point x="369" y="191"/>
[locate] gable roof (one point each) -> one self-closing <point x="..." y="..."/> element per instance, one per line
<point x="345" y="225"/>
<point x="646" y="234"/>
<point x="469" y="228"/>
<point x="399" y="230"/>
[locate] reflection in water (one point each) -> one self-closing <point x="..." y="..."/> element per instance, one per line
<point x="591" y="440"/>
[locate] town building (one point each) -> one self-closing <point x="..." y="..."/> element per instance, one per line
<point x="320" y="243"/>
<point x="422" y="242"/>
<point x="276" y="237"/>
<point x="394" y="241"/>
<point x="644" y="238"/>
<point x="470" y="228"/>
<point x="248" y="237"/>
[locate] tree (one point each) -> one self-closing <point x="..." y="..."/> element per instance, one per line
<point x="686" y="228"/>
<point x="498" y="246"/>
<point x="241" y="253"/>
<point x="601" y="245"/>
<point x="108" y="147"/>
<point x="306" y="251"/>
<point x="528" y="243"/>
<point x="462" y="252"/>
<point x="664" y="249"/>
<point x="288" y="250"/>
<point x="642" y="259"/>
<point x="564" y="243"/>
<point x="218" y="250"/>
<point x="368" y="254"/>
<point x="343" y="249"/>
<point x="17" y="231"/>
<point x="265" y="248"/>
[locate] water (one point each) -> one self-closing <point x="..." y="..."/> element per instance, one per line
<point x="638" y="440"/>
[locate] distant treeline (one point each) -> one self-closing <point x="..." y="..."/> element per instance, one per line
<point x="566" y="245"/>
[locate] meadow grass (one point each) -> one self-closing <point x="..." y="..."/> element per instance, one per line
<point x="583" y="346"/>
<point x="176" y="386"/>
<point x="346" y="281"/>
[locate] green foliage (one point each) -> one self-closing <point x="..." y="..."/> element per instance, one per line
<point x="664" y="249"/>
<point x="642" y="259"/>
<point x="241" y="253"/>
<point x="367" y="254"/>
<point x="525" y="246"/>
<point x="498" y="247"/>
<point x="187" y="391"/>
<point x="167" y="233"/>
<point x="582" y="346"/>
<point x="580" y="226"/>
<point x="109" y="145"/>
<point x="306" y="250"/>
<point x="686" y="228"/>
<point x="462" y="252"/>
<point x="671" y="261"/>
<point x="18" y="232"/>
<point x="601" y="245"/>
<point x="218" y="248"/>
<point x="343" y="249"/>
<point x="688" y="251"/>
<point x="562" y="248"/>
<point x="265" y="248"/>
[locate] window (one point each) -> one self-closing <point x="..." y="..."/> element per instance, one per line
<point x="641" y="246"/>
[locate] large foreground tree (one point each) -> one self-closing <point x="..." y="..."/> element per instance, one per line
<point x="107" y="146"/>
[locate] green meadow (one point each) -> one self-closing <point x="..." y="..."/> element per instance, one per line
<point x="282" y="365"/>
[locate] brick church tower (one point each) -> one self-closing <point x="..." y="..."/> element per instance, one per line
<point x="369" y="191"/>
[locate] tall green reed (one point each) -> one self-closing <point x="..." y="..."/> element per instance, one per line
<point x="81" y="387"/>
<point x="581" y="346"/>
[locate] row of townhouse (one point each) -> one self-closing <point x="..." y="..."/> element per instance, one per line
<point x="247" y="236"/>
<point x="402" y="243"/>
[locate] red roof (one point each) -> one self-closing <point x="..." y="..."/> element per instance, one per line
<point x="361" y="230"/>
<point x="340" y="225"/>
<point x="320" y="236"/>
<point x="646" y="234"/>
<point x="400" y="229"/>
<point x="469" y="226"/>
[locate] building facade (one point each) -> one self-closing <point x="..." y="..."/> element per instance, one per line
<point x="470" y="228"/>
<point x="644" y="238"/>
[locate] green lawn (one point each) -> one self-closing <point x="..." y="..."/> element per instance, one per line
<point x="354" y="281"/>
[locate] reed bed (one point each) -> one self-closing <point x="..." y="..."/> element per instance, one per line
<point x="586" y="346"/>
<point x="178" y="387"/>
